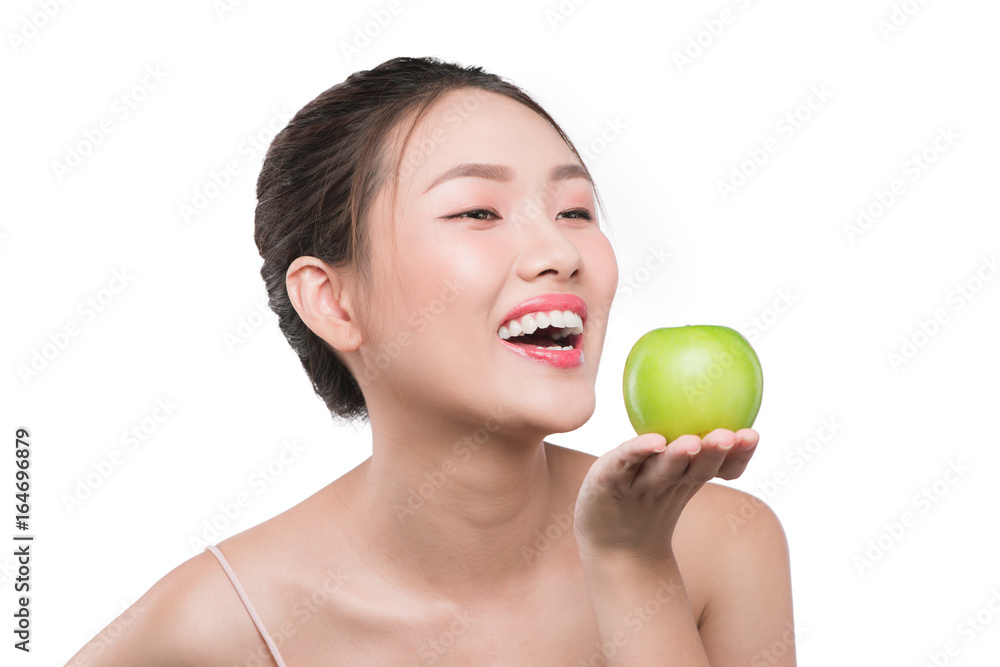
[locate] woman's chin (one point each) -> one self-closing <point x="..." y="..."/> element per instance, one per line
<point x="562" y="414"/>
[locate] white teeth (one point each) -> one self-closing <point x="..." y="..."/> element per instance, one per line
<point x="567" y="320"/>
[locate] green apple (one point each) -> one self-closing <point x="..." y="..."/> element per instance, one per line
<point x="692" y="380"/>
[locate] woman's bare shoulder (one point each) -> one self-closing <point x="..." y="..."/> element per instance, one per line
<point x="733" y="552"/>
<point x="723" y="513"/>
<point x="192" y="615"/>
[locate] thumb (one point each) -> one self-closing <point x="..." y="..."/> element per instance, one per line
<point x="619" y="467"/>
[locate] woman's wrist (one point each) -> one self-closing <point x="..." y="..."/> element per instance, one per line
<point x="642" y="610"/>
<point x="622" y="574"/>
<point x="652" y="556"/>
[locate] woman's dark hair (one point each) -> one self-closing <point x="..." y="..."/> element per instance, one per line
<point x="320" y="176"/>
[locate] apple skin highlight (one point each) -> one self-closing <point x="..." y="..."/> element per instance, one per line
<point x="692" y="380"/>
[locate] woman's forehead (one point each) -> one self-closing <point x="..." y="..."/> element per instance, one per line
<point x="469" y="126"/>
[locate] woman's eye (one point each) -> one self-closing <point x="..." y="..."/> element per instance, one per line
<point x="478" y="213"/>
<point x="473" y="212"/>
<point x="581" y="214"/>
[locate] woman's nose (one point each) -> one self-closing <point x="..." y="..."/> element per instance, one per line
<point x="546" y="247"/>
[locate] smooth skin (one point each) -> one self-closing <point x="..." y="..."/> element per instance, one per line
<point x="466" y="538"/>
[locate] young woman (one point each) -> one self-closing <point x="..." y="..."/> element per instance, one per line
<point x="432" y="250"/>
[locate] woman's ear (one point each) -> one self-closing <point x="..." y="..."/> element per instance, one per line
<point x="323" y="298"/>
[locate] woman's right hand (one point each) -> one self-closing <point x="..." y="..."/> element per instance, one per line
<point x="632" y="497"/>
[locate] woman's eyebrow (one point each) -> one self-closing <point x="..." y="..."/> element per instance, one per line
<point x="500" y="172"/>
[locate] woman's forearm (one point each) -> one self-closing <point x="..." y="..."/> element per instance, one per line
<point x="643" y="614"/>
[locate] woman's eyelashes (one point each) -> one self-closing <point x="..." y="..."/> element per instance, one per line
<point x="575" y="214"/>
<point x="473" y="212"/>
<point x="583" y="213"/>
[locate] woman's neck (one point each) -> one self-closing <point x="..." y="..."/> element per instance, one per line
<point x="464" y="507"/>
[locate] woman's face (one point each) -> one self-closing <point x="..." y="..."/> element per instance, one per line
<point x="455" y="256"/>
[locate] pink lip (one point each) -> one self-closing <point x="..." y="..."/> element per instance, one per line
<point x="557" y="358"/>
<point x="548" y="302"/>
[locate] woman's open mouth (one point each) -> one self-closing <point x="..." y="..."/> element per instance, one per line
<point x="552" y="337"/>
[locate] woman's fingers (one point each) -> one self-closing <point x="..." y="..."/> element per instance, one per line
<point x="670" y="466"/>
<point x="692" y="460"/>
<point x="633" y="495"/>
<point x="673" y="464"/>
<point x="714" y="448"/>
<point x="739" y="456"/>
<point x="621" y="465"/>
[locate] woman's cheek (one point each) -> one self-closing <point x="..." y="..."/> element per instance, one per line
<point x="604" y="263"/>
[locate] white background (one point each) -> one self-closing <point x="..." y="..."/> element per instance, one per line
<point x="228" y="73"/>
